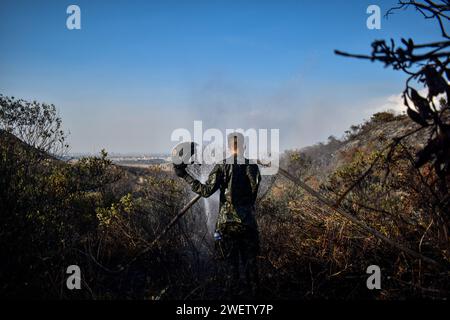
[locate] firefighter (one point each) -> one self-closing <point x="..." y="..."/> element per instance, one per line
<point x="237" y="237"/>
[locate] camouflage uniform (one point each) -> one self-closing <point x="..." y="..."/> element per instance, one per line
<point x="238" y="184"/>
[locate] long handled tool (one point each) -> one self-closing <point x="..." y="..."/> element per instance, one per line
<point x="176" y="218"/>
<point x="153" y="243"/>
<point x="166" y="229"/>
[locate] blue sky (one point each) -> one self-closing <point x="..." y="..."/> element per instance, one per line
<point x="137" y="70"/>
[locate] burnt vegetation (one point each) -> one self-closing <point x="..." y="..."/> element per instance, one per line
<point x="392" y="172"/>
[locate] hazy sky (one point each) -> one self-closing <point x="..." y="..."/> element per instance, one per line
<point x="137" y="70"/>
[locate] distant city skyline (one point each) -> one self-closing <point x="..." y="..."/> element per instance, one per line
<point x="137" y="70"/>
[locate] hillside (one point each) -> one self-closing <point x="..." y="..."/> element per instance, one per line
<point x="320" y="160"/>
<point x="99" y="215"/>
<point x="387" y="193"/>
<point x="11" y="143"/>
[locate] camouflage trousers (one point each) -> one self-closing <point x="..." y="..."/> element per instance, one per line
<point x="238" y="247"/>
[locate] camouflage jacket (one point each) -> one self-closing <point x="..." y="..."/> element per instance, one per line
<point x="238" y="184"/>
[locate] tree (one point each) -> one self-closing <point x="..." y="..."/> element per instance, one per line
<point x="427" y="64"/>
<point x="36" y="124"/>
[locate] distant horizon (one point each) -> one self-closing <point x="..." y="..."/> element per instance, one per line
<point x="167" y="153"/>
<point x="118" y="154"/>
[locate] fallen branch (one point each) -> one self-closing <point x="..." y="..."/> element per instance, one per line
<point x="353" y="219"/>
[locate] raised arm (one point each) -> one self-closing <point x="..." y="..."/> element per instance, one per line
<point x="210" y="186"/>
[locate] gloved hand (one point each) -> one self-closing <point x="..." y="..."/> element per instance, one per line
<point x="180" y="170"/>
